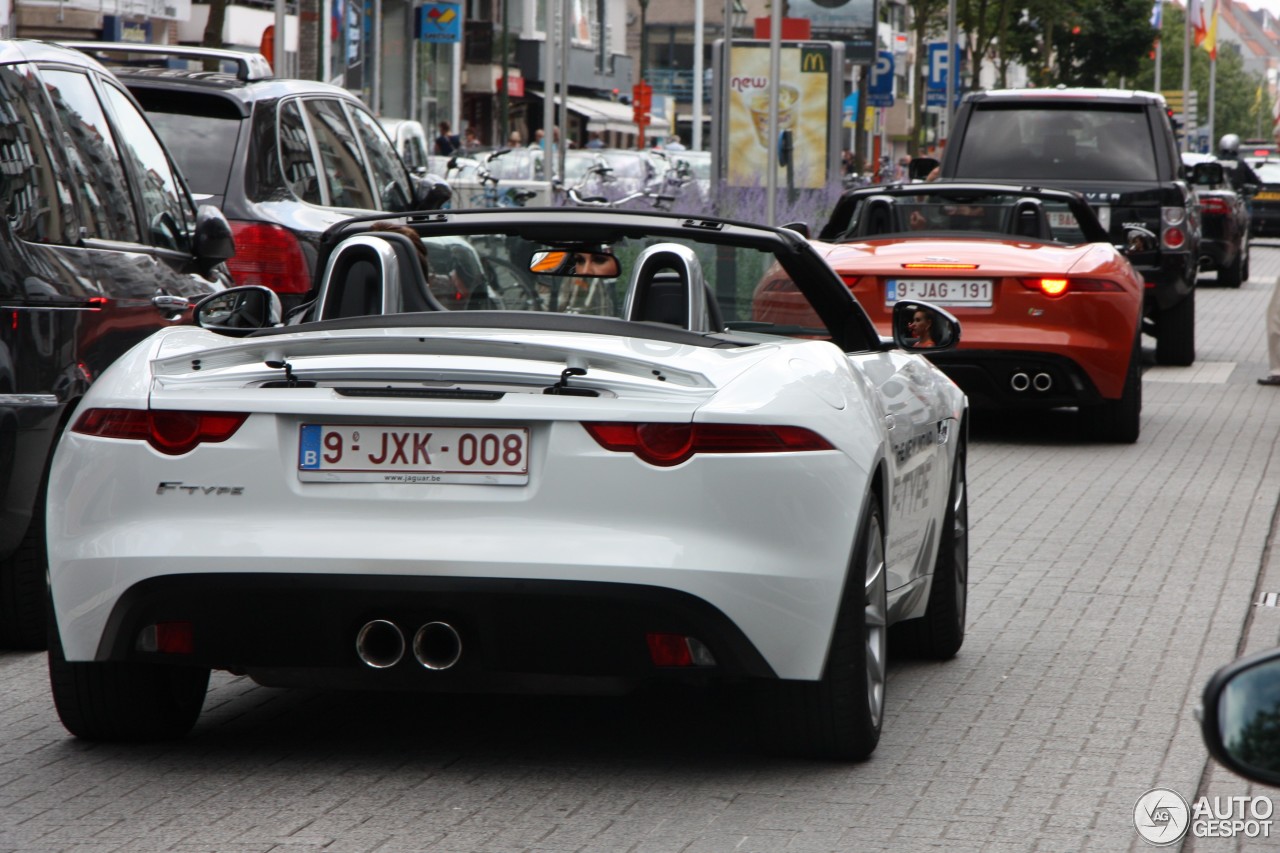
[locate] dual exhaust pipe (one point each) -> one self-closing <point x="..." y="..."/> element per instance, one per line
<point x="381" y="644"/>
<point x="1021" y="382"/>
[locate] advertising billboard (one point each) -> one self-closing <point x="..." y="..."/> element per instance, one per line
<point x="806" y="107"/>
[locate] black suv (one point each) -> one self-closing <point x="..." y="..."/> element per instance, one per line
<point x="1119" y="150"/>
<point x="100" y="245"/>
<point x="283" y="159"/>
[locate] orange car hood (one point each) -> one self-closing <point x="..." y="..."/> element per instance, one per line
<point x="993" y="257"/>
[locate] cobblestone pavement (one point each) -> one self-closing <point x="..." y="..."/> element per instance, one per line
<point x="1108" y="583"/>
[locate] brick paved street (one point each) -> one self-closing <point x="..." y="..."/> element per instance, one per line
<point x="1108" y="583"/>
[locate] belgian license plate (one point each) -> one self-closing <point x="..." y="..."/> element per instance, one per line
<point x="1062" y="219"/>
<point x="1267" y="196"/>
<point x="482" y="455"/>
<point x="973" y="292"/>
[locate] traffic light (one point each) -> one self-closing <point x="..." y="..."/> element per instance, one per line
<point x="641" y="99"/>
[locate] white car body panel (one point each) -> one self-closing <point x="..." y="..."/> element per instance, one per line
<point x="776" y="570"/>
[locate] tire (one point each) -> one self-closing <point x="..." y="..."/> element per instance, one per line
<point x="1244" y="270"/>
<point x="1176" y="333"/>
<point x="840" y="716"/>
<point x="23" y="586"/>
<point x="939" y="633"/>
<point x="1233" y="275"/>
<point x="1119" y="421"/>
<point x="125" y="701"/>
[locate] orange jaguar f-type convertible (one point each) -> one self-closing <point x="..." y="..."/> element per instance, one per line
<point x="1051" y="310"/>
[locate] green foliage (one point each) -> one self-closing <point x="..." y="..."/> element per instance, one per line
<point x="1082" y="42"/>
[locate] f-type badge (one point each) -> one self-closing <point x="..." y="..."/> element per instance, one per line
<point x="178" y="487"/>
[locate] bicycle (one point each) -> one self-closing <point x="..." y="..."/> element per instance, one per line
<point x="603" y="173"/>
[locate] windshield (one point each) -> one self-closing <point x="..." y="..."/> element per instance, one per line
<point x="741" y="288"/>
<point x="1071" y="141"/>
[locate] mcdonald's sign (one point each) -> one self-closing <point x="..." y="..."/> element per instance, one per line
<point x="814" y="60"/>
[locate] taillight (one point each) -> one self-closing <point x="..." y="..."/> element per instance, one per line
<point x="169" y="432"/>
<point x="1214" y="206"/>
<point x="1174" y="234"/>
<point x="671" y="444"/>
<point x="270" y="256"/>
<point x="850" y="281"/>
<point x="1061" y="286"/>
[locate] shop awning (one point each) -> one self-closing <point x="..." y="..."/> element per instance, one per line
<point x="600" y="114"/>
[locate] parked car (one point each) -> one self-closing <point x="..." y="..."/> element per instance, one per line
<point x="1224" y="218"/>
<point x="283" y="159"/>
<point x="1052" y="310"/>
<point x="1118" y="148"/>
<point x="641" y="485"/>
<point x="100" y="245"/>
<point x="1265" y="207"/>
<point x="411" y="142"/>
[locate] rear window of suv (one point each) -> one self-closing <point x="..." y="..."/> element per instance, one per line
<point x="1068" y="141"/>
<point x="199" y="132"/>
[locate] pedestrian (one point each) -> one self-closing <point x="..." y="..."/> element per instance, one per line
<point x="1273" y="338"/>
<point x="903" y="172"/>
<point x="674" y="143"/>
<point x="513" y="141"/>
<point x="538" y="136"/>
<point x="447" y="143"/>
<point x="595" y="141"/>
<point x="471" y="142"/>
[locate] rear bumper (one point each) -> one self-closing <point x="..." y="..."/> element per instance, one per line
<point x="1019" y="379"/>
<point x="515" y="634"/>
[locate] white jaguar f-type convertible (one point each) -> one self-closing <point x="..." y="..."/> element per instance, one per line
<point x="539" y="450"/>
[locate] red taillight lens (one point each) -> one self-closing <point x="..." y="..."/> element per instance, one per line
<point x="1214" y="206"/>
<point x="1174" y="238"/>
<point x="172" y="433"/>
<point x="268" y="255"/>
<point x="1061" y="286"/>
<point x="678" y="650"/>
<point x="850" y="281"/>
<point x="670" y="444"/>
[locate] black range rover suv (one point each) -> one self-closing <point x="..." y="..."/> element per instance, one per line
<point x="100" y="245"/>
<point x="1118" y="149"/>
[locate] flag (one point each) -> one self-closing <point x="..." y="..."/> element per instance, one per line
<point x="1197" y="20"/>
<point x="1210" y="42"/>
<point x="1157" y="14"/>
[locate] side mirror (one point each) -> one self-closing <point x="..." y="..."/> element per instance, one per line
<point x="921" y="327"/>
<point x="920" y="168"/>
<point x="1207" y="174"/>
<point x="801" y="228"/>
<point x="1140" y="246"/>
<point x="238" y="311"/>
<point x="1249" y="190"/>
<point x="213" y="242"/>
<point x="430" y="193"/>
<point x="1240" y="717"/>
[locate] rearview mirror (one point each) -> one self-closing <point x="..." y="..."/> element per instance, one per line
<point x="582" y="264"/>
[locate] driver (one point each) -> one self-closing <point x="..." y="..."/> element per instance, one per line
<point x="589" y="290"/>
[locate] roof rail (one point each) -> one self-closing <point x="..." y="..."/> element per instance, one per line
<point x="248" y="66"/>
